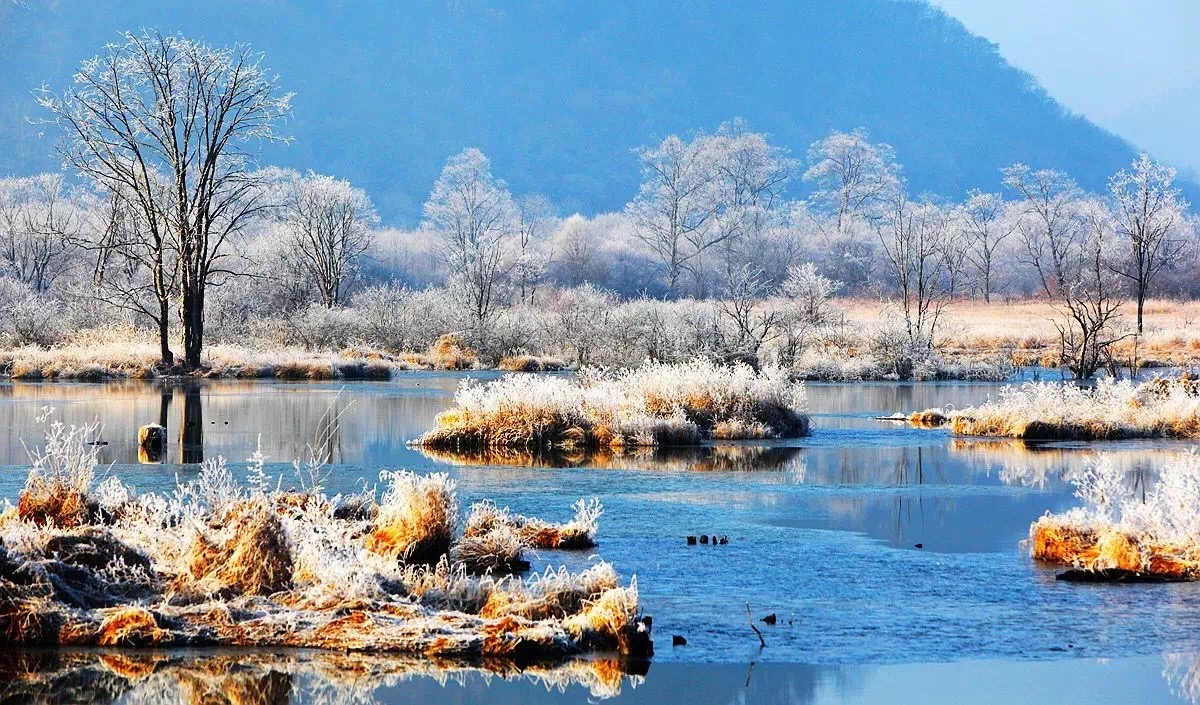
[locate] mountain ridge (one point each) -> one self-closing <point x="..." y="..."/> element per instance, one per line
<point x="559" y="94"/>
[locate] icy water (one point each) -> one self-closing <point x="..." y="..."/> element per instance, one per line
<point x="890" y="555"/>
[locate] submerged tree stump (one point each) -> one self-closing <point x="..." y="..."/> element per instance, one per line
<point x="152" y="438"/>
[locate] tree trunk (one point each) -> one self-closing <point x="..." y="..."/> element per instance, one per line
<point x="164" y="333"/>
<point x="192" y="315"/>
<point x="1141" y="297"/>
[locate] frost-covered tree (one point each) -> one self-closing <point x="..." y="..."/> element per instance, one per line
<point x="472" y="213"/>
<point x="811" y="292"/>
<point x="1151" y="224"/>
<point x="531" y="260"/>
<point x="674" y="209"/>
<point x="329" y="225"/>
<point x="168" y="123"/>
<point x="1050" y="226"/>
<point x="39" y="220"/>
<point x="854" y="177"/>
<point x="985" y="225"/>
<point x="750" y="176"/>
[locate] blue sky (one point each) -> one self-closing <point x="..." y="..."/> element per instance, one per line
<point x="1132" y="66"/>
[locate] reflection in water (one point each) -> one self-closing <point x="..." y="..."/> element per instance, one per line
<point x="207" y="677"/>
<point x="191" y="427"/>
<point x="726" y="457"/>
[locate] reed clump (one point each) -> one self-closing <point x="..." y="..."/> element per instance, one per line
<point x="1125" y="531"/>
<point x="218" y="562"/>
<point x="657" y="404"/>
<point x="1163" y="408"/>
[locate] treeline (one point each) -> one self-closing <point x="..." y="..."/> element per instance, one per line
<point x="181" y="232"/>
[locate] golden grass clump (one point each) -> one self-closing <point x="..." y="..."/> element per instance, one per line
<point x="929" y="418"/>
<point x="416" y="519"/>
<point x="451" y="352"/>
<point x="530" y="363"/>
<point x="130" y="626"/>
<point x="657" y="404"/>
<point x="250" y="557"/>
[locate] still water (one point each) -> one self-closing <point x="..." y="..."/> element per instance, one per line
<point x="824" y="533"/>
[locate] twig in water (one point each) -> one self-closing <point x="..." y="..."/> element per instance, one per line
<point x="761" y="640"/>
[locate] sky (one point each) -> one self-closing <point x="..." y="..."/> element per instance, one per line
<point x="1131" y="66"/>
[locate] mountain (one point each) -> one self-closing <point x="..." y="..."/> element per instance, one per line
<point x="558" y="92"/>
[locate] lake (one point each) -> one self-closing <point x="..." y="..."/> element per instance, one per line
<point x="891" y="556"/>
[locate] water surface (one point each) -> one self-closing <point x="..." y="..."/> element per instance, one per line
<point x="824" y="533"/>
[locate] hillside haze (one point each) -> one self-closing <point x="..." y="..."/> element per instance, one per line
<point x="558" y="93"/>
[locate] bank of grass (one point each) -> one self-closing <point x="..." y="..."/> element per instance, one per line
<point x="1126" y="530"/>
<point x="657" y="404"/>
<point x="1162" y="408"/>
<point x="98" y="357"/>
<point x="715" y="457"/>
<point x="222" y="563"/>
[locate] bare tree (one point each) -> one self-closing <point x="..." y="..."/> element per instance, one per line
<point x="1091" y="310"/>
<point x="755" y="322"/>
<point x="1049" y="227"/>
<point x="38" y="222"/>
<point x="473" y="214"/>
<point x="986" y="227"/>
<point x="135" y="270"/>
<point x="913" y="237"/>
<point x="167" y="123"/>
<point x="1150" y="222"/>
<point x="749" y="180"/>
<point x="330" y="225"/>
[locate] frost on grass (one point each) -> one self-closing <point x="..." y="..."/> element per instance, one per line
<point x="140" y="677"/>
<point x="221" y="563"/>
<point x="657" y="404"/>
<point x="1126" y="528"/>
<point x="1168" y="408"/>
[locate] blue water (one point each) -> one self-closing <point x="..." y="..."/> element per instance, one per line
<point x="823" y="532"/>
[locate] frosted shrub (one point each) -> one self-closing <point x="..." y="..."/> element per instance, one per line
<point x="1148" y="527"/>
<point x="1111" y="409"/>
<point x="320" y="328"/>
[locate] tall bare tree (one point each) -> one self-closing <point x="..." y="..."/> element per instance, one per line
<point x="1150" y="223"/>
<point x="985" y="227"/>
<point x="169" y="123"/>
<point x="913" y="238"/>
<point x="675" y="206"/>
<point x="854" y="177"/>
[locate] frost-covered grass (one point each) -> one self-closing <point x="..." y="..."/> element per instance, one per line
<point x="223" y="562"/>
<point x="1111" y="409"/>
<point x="1128" y="526"/>
<point x="837" y="365"/>
<point x="656" y="404"/>
<point x="264" y="678"/>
